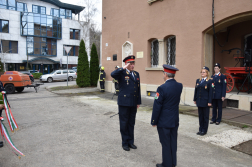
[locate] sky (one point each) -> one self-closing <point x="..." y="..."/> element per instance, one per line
<point x="97" y="18"/>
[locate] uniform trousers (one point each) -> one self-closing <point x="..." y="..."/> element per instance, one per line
<point x="127" y="117"/>
<point x="203" y="118"/>
<point x="102" y="86"/>
<point x="217" y="103"/>
<point x="168" y="139"/>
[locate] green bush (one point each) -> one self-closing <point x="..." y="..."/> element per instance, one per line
<point x="36" y="75"/>
<point x="83" y="73"/>
<point x="94" y="66"/>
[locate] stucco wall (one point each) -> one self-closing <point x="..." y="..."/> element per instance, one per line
<point x="186" y="19"/>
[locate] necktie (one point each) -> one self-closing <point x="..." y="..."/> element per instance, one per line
<point x="202" y="81"/>
<point x="133" y="75"/>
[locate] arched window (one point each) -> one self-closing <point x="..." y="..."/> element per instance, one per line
<point x="171" y="50"/>
<point x="154" y="53"/>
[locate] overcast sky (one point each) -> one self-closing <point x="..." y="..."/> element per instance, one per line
<point x="98" y="18"/>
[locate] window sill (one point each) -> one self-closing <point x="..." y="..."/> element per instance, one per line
<point x="153" y="68"/>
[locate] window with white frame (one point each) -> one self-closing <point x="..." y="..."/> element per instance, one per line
<point x="171" y="50"/>
<point x="154" y="53"/>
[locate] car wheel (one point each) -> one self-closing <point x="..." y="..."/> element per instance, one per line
<point x="19" y="89"/>
<point x="49" y="79"/>
<point x="9" y="88"/>
<point x="70" y="78"/>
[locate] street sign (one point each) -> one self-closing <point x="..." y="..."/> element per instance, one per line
<point x="67" y="49"/>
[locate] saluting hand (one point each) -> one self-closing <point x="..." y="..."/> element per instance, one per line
<point x="126" y="66"/>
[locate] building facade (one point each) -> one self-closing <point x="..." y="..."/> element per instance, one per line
<point x="36" y="31"/>
<point x="180" y="33"/>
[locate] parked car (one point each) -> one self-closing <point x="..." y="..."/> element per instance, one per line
<point x="34" y="71"/>
<point x="59" y="75"/>
<point x="28" y="73"/>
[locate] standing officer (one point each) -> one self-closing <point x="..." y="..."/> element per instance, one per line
<point x="116" y="83"/>
<point x="203" y="99"/>
<point x="165" y="116"/>
<point x="129" y="99"/>
<point x="102" y="77"/>
<point x="219" y="93"/>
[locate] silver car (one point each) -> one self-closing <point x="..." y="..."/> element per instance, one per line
<point x="59" y="75"/>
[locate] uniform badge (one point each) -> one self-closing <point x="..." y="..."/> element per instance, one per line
<point x="225" y="80"/>
<point x="206" y="87"/>
<point x="138" y="79"/>
<point x="212" y="84"/>
<point x="219" y="80"/>
<point x="157" y="96"/>
<point x="127" y="72"/>
<point x="197" y="84"/>
<point x="135" y="73"/>
<point x="127" y="79"/>
<point x="219" y="74"/>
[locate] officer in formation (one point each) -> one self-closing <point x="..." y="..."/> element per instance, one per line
<point x="129" y="99"/>
<point x="116" y="83"/>
<point x="165" y="116"/>
<point x="102" y="77"/>
<point x="1" y="106"/>
<point x="203" y="99"/>
<point x="219" y="93"/>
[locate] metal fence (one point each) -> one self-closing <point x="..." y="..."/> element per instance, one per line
<point x="154" y="53"/>
<point x="171" y="50"/>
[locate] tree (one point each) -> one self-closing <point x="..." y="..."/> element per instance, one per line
<point x="1" y="66"/>
<point x="83" y="75"/>
<point x="94" y="66"/>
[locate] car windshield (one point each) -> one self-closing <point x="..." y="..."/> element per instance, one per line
<point x="52" y="72"/>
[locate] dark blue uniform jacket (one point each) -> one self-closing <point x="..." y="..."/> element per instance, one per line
<point x="203" y="93"/>
<point x="129" y="88"/>
<point x="166" y="105"/>
<point x="219" y="89"/>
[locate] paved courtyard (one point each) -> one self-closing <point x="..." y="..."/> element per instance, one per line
<point x="61" y="130"/>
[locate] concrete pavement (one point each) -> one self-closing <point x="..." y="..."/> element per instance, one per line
<point x="61" y="130"/>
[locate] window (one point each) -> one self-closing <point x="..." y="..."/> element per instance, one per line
<point x="171" y="50"/>
<point x="9" y="46"/>
<point x="38" y="9"/>
<point x="12" y="4"/>
<point x="64" y="71"/>
<point x="55" y="12"/>
<point x="35" y="24"/>
<point x="22" y="7"/>
<point x="73" y="52"/>
<point x="68" y="14"/>
<point x="154" y="53"/>
<point x="63" y="13"/>
<point x="3" y="4"/>
<point x="58" y="72"/>
<point x="41" y="46"/>
<point x="74" y="34"/>
<point x="4" y="26"/>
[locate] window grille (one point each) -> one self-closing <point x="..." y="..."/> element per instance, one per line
<point x="171" y="50"/>
<point x="154" y="53"/>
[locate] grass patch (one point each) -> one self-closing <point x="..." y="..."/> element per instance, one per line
<point x="245" y="126"/>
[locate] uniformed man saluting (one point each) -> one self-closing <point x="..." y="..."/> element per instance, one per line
<point x="219" y="93"/>
<point x="129" y="99"/>
<point x="165" y="116"/>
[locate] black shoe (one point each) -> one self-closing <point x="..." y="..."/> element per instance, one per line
<point x="217" y="123"/>
<point x="159" y="165"/>
<point x="198" y="133"/>
<point x="132" y="146"/>
<point x="1" y="144"/>
<point x="126" y="148"/>
<point x="202" y="133"/>
<point x="212" y="122"/>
